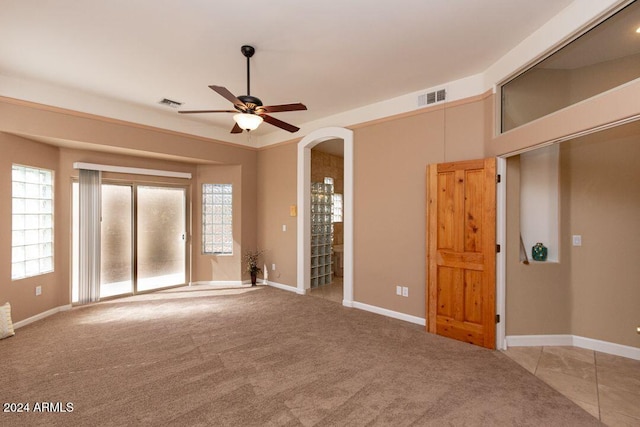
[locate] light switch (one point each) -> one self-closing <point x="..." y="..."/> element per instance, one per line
<point x="284" y="227"/>
<point x="577" y="240"/>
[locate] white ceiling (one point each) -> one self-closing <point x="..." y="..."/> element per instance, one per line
<point x="332" y="55"/>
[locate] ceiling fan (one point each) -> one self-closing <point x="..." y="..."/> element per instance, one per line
<point x="249" y="110"/>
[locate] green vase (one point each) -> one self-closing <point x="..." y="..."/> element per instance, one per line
<point x="539" y="252"/>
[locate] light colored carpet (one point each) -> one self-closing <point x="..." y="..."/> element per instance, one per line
<point x="262" y="356"/>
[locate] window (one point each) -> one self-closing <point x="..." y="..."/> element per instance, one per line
<point x="32" y="222"/>
<point x="336" y="208"/>
<point x="217" y="230"/>
<point x="603" y="58"/>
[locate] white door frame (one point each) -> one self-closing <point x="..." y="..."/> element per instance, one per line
<point x="501" y="257"/>
<point x="304" y="208"/>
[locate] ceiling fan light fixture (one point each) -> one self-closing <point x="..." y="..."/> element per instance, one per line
<point x="248" y="121"/>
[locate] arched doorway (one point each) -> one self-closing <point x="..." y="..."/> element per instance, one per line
<point x="304" y="206"/>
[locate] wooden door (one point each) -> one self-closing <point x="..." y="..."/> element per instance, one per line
<point x="461" y="250"/>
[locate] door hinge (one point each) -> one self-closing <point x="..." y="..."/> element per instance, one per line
<point x="497" y="318"/>
<point x="498" y="179"/>
<point x="498" y="248"/>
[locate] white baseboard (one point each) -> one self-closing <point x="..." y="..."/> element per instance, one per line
<point x="539" y="340"/>
<point x="40" y="316"/>
<point x="575" y="341"/>
<point x="284" y="287"/>
<point x="389" y="313"/>
<point x="607" y="347"/>
<point x="221" y="283"/>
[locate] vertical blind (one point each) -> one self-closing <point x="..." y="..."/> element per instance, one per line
<point x="90" y="213"/>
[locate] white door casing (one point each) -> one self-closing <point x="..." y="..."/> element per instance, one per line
<point x="304" y="207"/>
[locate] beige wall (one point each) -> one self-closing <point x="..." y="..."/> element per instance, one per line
<point x="389" y="185"/>
<point x="21" y="293"/>
<point x="218" y="267"/>
<point x="538" y="294"/>
<point x="593" y="291"/>
<point x="276" y="193"/>
<point x="84" y="139"/>
<point x="390" y="198"/>
<point x="390" y="160"/>
<point x="602" y="182"/>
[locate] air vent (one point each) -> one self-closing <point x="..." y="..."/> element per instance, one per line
<point x="170" y="103"/>
<point x="431" y="97"/>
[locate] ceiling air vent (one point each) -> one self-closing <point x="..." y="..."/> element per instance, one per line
<point x="170" y="103"/>
<point x="431" y="97"/>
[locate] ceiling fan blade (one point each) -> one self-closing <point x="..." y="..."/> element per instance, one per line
<point x="279" y="123"/>
<point x="236" y="129"/>
<point x="224" y="92"/>
<point x="284" y="107"/>
<point x="206" y="111"/>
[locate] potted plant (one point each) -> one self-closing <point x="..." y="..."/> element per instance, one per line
<point x="251" y="258"/>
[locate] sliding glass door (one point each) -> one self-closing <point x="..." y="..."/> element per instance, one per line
<point x="161" y="235"/>
<point x="116" y="252"/>
<point x="143" y="238"/>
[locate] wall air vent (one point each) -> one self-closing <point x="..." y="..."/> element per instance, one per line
<point x="431" y="97"/>
<point x="170" y="103"/>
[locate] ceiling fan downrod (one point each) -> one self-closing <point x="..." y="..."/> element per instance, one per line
<point x="248" y="52"/>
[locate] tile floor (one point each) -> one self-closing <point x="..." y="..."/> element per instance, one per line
<point x="606" y="386"/>
<point x="332" y="291"/>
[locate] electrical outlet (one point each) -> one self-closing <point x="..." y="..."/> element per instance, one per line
<point x="577" y="240"/>
<point x="284" y="227"/>
<point x="273" y="267"/>
<point x="38" y="290"/>
<point x="405" y="291"/>
<point x="399" y="290"/>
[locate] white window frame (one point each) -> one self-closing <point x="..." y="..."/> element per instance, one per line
<point x="217" y="219"/>
<point x="32" y="221"/>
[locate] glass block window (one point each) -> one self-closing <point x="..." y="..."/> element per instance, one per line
<point x="336" y="208"/>
<point x="217" y="212"/>
<point x="32" y="222"/>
